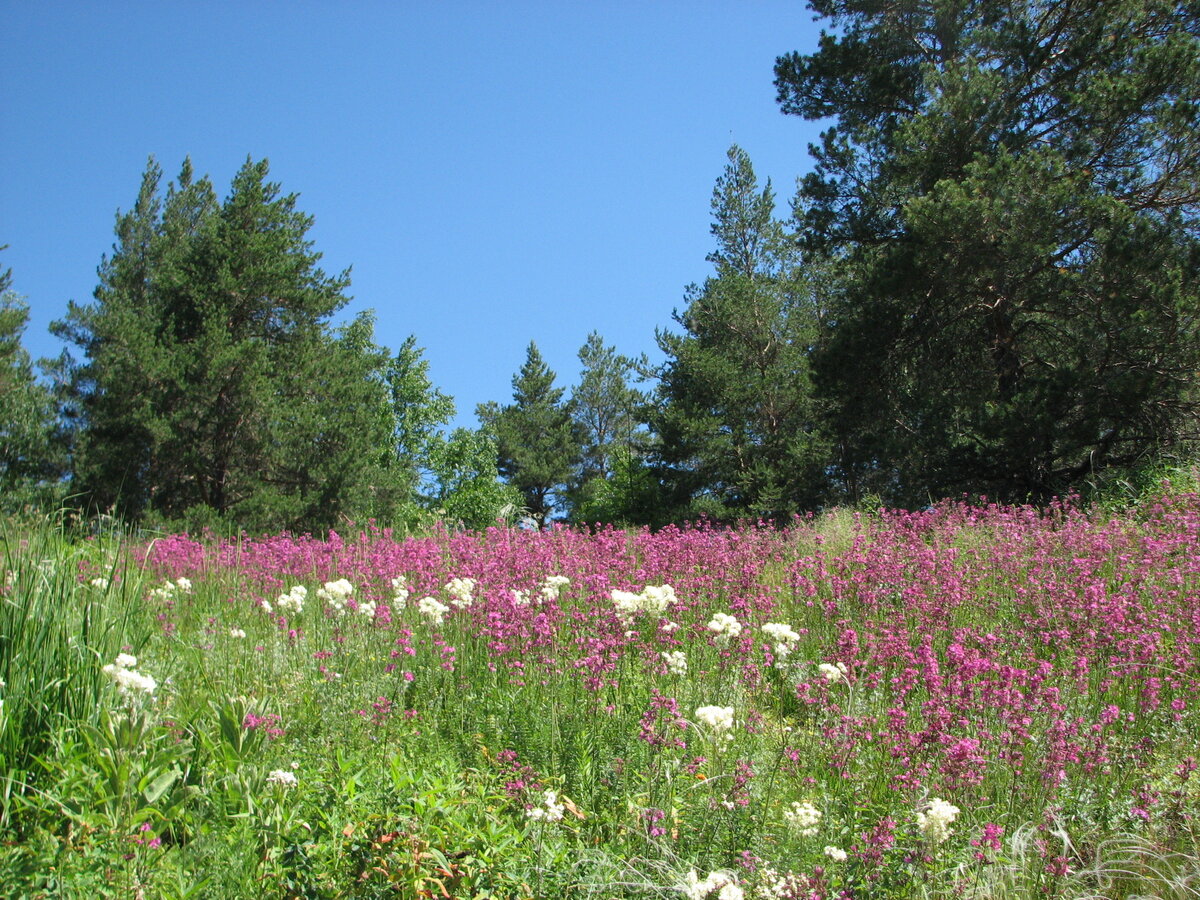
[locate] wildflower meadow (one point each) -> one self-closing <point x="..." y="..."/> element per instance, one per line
<point x="967" y="701"/>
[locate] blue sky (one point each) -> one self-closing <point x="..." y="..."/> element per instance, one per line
<point x="494" y="173"/>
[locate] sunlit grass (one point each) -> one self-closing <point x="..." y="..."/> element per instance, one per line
<point x="1035" y="672"/>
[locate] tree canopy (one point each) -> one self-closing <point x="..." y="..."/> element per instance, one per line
<point x="31" y="457"/>
<point x="537" y="442"/>
<point x="1007" y="204"/>
<point x="989" y="284"/>
<point x="736" y="420"/>
<point x="211" y="380"/>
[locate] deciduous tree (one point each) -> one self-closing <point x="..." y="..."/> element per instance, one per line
<point x="607" y="411"/>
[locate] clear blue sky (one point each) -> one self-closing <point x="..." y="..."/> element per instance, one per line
<point x="494" y="173"/>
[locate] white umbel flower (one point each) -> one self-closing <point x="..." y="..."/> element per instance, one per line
<point x="432" y="610"/>
<point x="723" y="883"/>
<point x="715" y="718"/>
<point x="126" y="679"/>
<point x="461" y="591"/>
<point x="676" y="661"/>
<point x="553" y="586"/>
<point x="552" y="811"/>
<point x="724" y="627"/>
<point x="934" y="821"/>
<point x="335" y="594"/>
<point x="400" y="592"/>
<point x="831" y="673"/>
<point x="784" y="639"/>
<point x="803" y="818"/>
<point x="293" y="600"/>
<point x="653" y="599"/>
<point x="283" y="778"/>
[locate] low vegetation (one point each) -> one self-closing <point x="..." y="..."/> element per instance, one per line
<point x="977" y="701"/>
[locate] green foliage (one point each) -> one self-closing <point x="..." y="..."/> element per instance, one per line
<point x="737" y="421"/>
<point x="211" y="379"/>
<point x="31" y="454"/>
<point x="1006" y="205"/>
<point x="55" y="633"/>
<point x="631" y="494"/>
<point x="468" y="490"/>
<point x="608" y="414"/>
<point x="420" y="413"/>
<point x="536" y="439"/>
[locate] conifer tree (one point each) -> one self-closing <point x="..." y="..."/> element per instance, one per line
<point x="736" y="423"/>
<point x="537" y="442"/>
<point x="1007" y="203"/>
<point x="31" y="458"/>
<point x="212" y="386"/>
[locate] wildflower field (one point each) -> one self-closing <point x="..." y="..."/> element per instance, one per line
<point x="960" y="702"/>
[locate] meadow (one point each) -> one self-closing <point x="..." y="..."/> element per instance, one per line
<point x="967" y="701"/>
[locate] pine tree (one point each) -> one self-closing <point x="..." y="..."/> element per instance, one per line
<point x="1007" y="205"/>
<point x="736" y="422"/>
<point x="536" y="439"/>
<point x="31" y="457"/>
<point x="212" y="386"/>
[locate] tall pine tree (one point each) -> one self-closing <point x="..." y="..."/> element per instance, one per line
<point x="31" y="455"/>
<point x="211" y="384"/>
<point x="537" y="441"/>
<point x="736" y="421"/>
<point x="1007" y="203"/>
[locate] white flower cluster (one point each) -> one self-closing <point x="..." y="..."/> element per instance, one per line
<point x="830" y="672"/>
<point x="551" y="812"/>
<point x="773" y="885"/>
<point x="400" y="592"/>
<point x="715" y="718"/>
<point x="432" y="610"/>
<point x="292" y="601"/>
<point x="837" y="854"/>
<point x="935" y="820"/>
<point x="724" y="883"/>
<point x="168" y="590"/>
<point x="676" y="661"/>
<point x="237" y="633"/>
<point x="335" y="594"/>
<point x="100" y="584"/>
<point x="803" y="818"/>
<point x="460" y="591"/>
<point x="725" y="627"/>
<point x="556" y="582"/>
<point x="127" y="680"/>
<point x="549" y="589"/>
<point x="283" y="778"/>
<point x="654" y="599"/>
<point x="784" y="637"/>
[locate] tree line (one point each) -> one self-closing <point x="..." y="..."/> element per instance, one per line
<point x="988" y="284"/>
